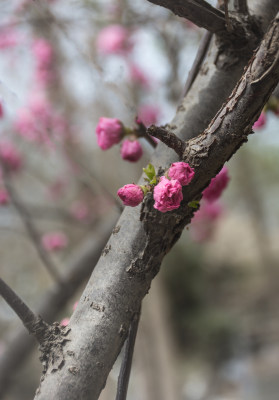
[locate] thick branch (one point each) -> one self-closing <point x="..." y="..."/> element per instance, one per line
<point x="34" y="324"/>
<point x="199" y="12"/>
<point x="133" y="254"/>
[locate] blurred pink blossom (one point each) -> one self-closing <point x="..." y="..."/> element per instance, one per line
<point x="204" y="221"/>
<point x="138" y="77"/>
<point x="114" y="39"/>
<point x="80" y="210"/>
<point x="149" y="114"/>
<point x="4" y="197"/>
<point x="54" y="241"/>
<point x="261" y="121"/>
<point x="8" y="38"/>
<point x="1" y="111"/>
<point x="43" y="53"/>
<point x="10" y="156"/>
<point x="131" y="150"/>
<point x="217" y="185"/>
<point x="75" y="305"/>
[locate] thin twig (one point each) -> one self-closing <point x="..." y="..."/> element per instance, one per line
<point x="34" y="324"/>
<point x="241" y="6"/>
<point x="31" y="229"/>
<point x="167" y="137"/>
<point x="125" y="370"/>
<point x="228" y="22"/>
<point x="202" y="50"/>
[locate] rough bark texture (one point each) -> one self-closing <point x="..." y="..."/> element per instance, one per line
<point x="135" y="250"/>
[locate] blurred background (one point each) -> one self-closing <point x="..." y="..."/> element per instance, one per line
<point x="209" y="328"/>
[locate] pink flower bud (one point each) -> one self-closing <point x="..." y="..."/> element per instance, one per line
<point x="109" y="132"/>
<point x="131" y="195"/>
<point x="217" y="185"/>
<point x="167" y="194"/>
<point x="10" y="156"/>
<point x="4" y="197"/>
<point x="182" y="172"/>
<point x="131" y="150"/>
<point x="113" y="39"/>
<point x="54" y="241"/>
<point x="261" y="121"/>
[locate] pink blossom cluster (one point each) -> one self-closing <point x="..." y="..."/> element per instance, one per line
<point x="10" y="156"/>
<point x="167" y="193"/>
<point x="38" y="122"/>
<point x="111" y="131"/>
<point x="203" y="223"/>
<point x="43" y="53"/>
<point x="54" y="241"/>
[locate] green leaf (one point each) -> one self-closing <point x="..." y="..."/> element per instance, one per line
<point x="194" y="204"/>
<point x="150" y="172"/>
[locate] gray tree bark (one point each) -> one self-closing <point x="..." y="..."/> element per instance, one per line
<point x="133" y="254"/>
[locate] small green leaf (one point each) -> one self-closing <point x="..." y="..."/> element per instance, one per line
<point x="154" y="181"/>
<point x="194" y="204"/>
<point x="150" y="172"/>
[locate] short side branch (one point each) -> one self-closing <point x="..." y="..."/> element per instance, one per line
<point x="167" y="137"/>
<point x="198" y="11"/>
<point x="34" y="324"/>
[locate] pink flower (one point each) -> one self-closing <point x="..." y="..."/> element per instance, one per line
<point x="113" y="39"/>
<point x="138" y="77"/>
<point x="204" y="221"/>
<point x="8" y="38"/>
<point x="167" y="194"/>
<point x="182" y="172"/>
<point x="131" y="150"/>
<point x="80" y="210"/>
<point x="260" y="122"/>
<point x="109" y="132"/>
<point x="54" y="241"/>
<point x="43" y="52"/>
<point x="65" y="321"/>
<point x="10" y="156"/>
<point x="131" y="195"/>
<point x="217" y="185"/>
<point x="4" y="197"/>
<point x="148" y="114"/>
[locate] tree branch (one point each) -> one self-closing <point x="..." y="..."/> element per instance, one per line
<point x="167" y="137"/>
<point x="133" y="254"/>
<point x="199" y="12"/>
<point x="124" y="375"/>
<point x="34" y="324"/>
<point x="200" y="56"/>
